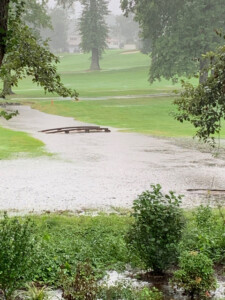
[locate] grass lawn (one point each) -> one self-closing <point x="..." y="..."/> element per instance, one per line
<point x="144" y="115"/>
<point x="15" y="143"/>
<point x="121" y="74"/>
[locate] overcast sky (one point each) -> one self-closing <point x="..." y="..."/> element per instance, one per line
<point x="114" y="6"/>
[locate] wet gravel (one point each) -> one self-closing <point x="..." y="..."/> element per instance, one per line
<point x="101" y="170"/>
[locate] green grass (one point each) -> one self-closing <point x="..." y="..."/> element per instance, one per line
<point x="68" y="239"/>
<point x="144" y="115"/>
<point x="121" y="74"/>
<point x="15" y="143"/>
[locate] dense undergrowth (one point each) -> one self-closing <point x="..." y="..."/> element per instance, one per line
<point x="73" y="252"/>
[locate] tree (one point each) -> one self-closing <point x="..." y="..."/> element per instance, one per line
<point x="204" y="105"/>
<point x="4" y="9"/>
<point x="34" y="14"/>
<point x="126" y="29"/>
<point x="26" y="55"/>
<point x="179" y="31"/>
<point x="58" y="38"/>
<point x="94" y="30"/>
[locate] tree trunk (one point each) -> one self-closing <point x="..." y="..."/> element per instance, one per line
<point x="7" y="88"/>
<point x="203" y="70"/>
<point x="95" y="60"/>
<point x="4" y="9"/>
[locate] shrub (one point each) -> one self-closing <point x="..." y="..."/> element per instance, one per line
<point x="82" y="286"/>
<point x="124" y="290"/>
<point x="196" y="275"/>
<point x="17" y="252"/>
<point x="205" y="233"/>
<point x="157" y="228"/>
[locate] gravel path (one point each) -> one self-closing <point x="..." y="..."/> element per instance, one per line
<point x="99" y="170"/>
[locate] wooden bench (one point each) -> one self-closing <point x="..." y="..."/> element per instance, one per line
<point x="85" y="129"/>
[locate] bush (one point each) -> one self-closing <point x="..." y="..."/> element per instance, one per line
<point x="17" y="252"/>
<point x="196" y="275"/>
<point x="205" y="233"/>
<point x="123" y="290"/>
<point x="157" y="228"/>
<point x="82" y="286"/>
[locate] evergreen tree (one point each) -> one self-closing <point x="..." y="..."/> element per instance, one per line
<point x="94" y="30"/>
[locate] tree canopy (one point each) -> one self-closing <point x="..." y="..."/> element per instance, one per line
<point x="179" y="32"/>
<point x="204" y="105"/>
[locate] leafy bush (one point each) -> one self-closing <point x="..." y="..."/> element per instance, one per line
<point x="205" y="233"/>
<point x="123" y="290"/>
<point x="157" y="228"/>
<point x="82" y="286"/>
<point x="196" y="275"/>
<point x="17" y="252"/>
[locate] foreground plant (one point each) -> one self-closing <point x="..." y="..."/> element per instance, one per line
<point x="17" y="252"/>
<point x="157" y="228"/>
<point x="196" y="275"/>
<point x="34" y="292"/>
<point x="82" y="286"/>
<point x="124" y="290"/>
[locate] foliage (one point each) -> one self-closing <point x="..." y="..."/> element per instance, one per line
<point x="28" y="57"/>
<point x="204" y="105"/>
<point x="157" y="228"/>
<point x="82" y="286"/>
<point x="58" y="34"/>
<point x="34" y="292"/>
<point x="205" y="233"/>
<point x="67" y="241"/>
<point x="93" y="29"/>
<point x="123" y="290"/>
<point x="17" y="254"/>
<point x="8" y="115"/>
<point x="36" y="16"/>
<point x="126" y="29"/>
<point x="196" y="275"/>
<point x="177" y="44"/>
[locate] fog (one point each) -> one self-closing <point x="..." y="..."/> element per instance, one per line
<point x="114" y="6"/>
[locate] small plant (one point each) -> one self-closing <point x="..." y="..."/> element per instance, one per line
<point x="17" y="251"/>
<point x="157" y="229"/>
<point x="196" y="275"/>
<point x="124" y="290"/>
<point x="34" y="292"/>
<point x="82" y="286"/>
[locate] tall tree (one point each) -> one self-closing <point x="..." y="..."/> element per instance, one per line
<point x="94" y="30"/>
<point x="179" y="31"/>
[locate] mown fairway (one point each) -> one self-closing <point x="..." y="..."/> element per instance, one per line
<point x="150" y="116"/>
<point x="122" y="74"/>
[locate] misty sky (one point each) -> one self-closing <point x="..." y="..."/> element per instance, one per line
<point x="114" y="6"/>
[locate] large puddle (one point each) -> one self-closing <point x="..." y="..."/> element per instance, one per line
<point x="129" y="278"/>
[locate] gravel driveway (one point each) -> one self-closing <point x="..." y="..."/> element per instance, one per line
<point x="99" y="170"/>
